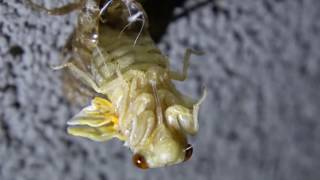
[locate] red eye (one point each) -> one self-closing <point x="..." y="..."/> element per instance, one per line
<point x="139" y="161"/>
<point x="188" y="152"/>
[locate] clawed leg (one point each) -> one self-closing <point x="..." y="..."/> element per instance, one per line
<point x="143" y="119"/>
<point x="181" y="76"/>
<point x="59" y="10"/>
<point x="142" y="128"/>
<point x="81" y="75"/>
<point x="180" y="117"/>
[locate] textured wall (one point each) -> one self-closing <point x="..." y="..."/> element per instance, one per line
<point x="259" y="121"/>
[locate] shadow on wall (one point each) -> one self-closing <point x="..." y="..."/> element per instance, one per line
<point x="161" y="13"/>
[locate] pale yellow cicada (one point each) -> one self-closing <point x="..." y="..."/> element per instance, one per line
<point x="111" y="53"/>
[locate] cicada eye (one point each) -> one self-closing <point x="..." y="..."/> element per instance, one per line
<point x="188" y="152"/>
<point x="139" y="161"/>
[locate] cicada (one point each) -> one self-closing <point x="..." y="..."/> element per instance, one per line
<point x="135" y="100"/>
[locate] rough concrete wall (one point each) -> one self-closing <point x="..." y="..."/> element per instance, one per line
<point x="259" y="121"/>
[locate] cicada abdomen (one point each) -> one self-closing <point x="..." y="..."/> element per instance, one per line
<point x="112" y="53"/>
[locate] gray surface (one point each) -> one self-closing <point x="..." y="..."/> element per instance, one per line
<point x="259" y="121"/>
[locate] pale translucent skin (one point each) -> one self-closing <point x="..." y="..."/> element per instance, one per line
<point x="112" y="53"/>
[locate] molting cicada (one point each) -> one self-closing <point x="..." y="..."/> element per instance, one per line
<point x="113" y="55"/>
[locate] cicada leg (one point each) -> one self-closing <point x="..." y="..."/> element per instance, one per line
<point x="141" y="117"/>
<point x="81" y="75"/>
<point x="142" y="128"/>
<point x="180" y="117"/>
<point x="59" y="10"/>
<point x="181" y="76"/>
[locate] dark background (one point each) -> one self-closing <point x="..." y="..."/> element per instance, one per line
<point x="260" y="120"/>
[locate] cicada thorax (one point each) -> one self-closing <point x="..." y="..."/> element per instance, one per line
<point x="124" y="42"/>
<point x="86" y="47"/>
<point x="105" y="35"/>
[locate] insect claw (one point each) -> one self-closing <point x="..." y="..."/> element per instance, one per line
<point x="196" y="106"/>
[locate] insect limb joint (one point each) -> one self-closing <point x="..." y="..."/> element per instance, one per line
<point x="181" y="76"/>
<point x="79" y="74"/>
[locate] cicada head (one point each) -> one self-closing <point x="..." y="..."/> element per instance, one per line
<point x="166" y="147"/>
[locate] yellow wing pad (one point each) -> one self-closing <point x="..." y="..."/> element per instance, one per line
<point x="97" y="121"/>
